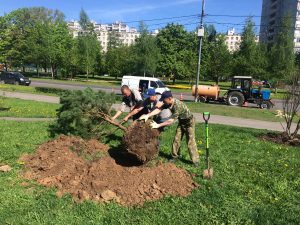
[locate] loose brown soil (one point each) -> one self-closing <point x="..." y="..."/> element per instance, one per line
<point x="141" y="141"/>
<point x="87" y="170"/>
<point x="281" y="138"/>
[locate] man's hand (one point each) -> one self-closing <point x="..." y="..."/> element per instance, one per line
<point x="154" y="125"/>
<point x="144" y="117"/>
<point x="126" y="119"/>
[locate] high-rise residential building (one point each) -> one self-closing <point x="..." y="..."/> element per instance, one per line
<point x="125" y="34"/>
<point x="233" y="40"/>
<point x="273" y="12"/>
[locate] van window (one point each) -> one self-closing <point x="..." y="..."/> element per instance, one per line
<point x="153" y="84"/>
<point x="160" y="84"/>
<point x="144" y="84"/>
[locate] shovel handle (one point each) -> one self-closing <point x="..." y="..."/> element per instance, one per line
<point x="206" y="116"/>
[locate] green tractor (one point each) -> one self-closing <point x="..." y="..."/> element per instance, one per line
<point x="242" y="91"/>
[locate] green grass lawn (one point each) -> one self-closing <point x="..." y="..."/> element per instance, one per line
<point x="12" y="107"/>
<point x="241" y="112"/>
<point x="255" y="182"/>
<point x="84" y="81"/>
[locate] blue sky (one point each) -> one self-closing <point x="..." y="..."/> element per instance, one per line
<point x="105" y="11"/>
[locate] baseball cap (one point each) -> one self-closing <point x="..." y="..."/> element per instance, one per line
<point x="166" y="94"/>
<point x="151" y="92"/>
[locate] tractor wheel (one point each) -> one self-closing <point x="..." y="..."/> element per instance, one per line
<point x="201" y="99"/>
<point x="265" y="105"/>
<point x="235" y="98"/>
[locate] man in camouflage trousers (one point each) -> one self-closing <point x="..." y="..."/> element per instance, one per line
<point x="186" y="124"/>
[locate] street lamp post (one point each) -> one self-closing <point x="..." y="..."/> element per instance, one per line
<point x="200" y="35"/>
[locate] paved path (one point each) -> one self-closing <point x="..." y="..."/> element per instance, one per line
<point x="215" y="119"/>
<point x="28" y="96"/>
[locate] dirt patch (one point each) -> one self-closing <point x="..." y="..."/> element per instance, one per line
<point x="65" y="163"/>
<point x="281" y="138"/>
<point x="144" y="146"/>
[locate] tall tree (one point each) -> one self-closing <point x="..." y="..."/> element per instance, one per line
<point x="173" y="41"/>
<point x="119" y="61"/>
<point x="88" y="46"/>
<point x="219" y="58"/>
<point x="23" y="35"/>
<point x="249" y="59"/>
<point x="146" y="52"/>
<point x="282" y="55"/>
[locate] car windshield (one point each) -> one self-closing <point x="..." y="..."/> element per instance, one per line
<point x="160" y="84"/>
<point x="19" y="75"/>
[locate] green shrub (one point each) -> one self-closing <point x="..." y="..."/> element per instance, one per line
<point x="76" y="114"/>
<point x="57" y="91"/>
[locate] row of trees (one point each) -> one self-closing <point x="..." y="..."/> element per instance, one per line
<point x="39" y="37"/>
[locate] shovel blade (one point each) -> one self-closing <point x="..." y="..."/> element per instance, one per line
<point x="208" y="173"/>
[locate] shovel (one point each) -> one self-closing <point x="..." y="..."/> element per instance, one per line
<point x="208" y="172"/>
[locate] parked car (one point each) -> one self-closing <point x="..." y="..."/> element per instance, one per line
<point x="144" y="83"/>
<point x="14" y="78"/>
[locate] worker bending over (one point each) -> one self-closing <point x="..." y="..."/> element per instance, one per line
<point x="186" y="124"/>
<point x="150" y="104"/>
<point x="132" y="99"/>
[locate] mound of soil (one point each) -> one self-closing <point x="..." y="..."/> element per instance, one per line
<point x="141" y="141"/>
<point x="87" y="171"/>
<point x="281" y="138"/>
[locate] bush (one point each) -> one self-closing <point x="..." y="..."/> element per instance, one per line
<point x="57" y="91"/>
<point x="75" y="116"/>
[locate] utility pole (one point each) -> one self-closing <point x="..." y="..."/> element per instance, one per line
<point x="200" y="35"/>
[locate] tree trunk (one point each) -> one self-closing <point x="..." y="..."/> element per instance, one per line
<point x="23" y="69"/>
<point x="87" y="73"/>
<point x="217" y="80"/>
<point x="52" y="72"/>
<point x="5" y="64"/>
<point x="174" y="79"/>
<point x="108" y="119"/>
<point x="37" y="70"/>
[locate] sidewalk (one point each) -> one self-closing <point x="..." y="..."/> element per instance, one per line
<point x="215" y="119"/>
<point x="28" y="96"/>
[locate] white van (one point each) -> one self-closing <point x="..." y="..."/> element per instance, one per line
<point x="144" y="83"/>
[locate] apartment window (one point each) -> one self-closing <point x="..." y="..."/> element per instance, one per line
<point x="273" y="15"/>
<point x="298" y="40"/>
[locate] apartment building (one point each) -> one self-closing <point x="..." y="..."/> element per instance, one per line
<point x="233" y="40"/>
<point x="273" y="12"/>
<point x="125" y="34"/>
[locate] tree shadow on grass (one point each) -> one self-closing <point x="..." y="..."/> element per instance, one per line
<point x="4" y="109"/>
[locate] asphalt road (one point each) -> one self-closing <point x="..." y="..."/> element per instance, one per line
<point x="73" y="86"/>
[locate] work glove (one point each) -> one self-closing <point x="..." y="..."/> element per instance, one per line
<point x="144" y="117"/>
<point x="154" y="125"/>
